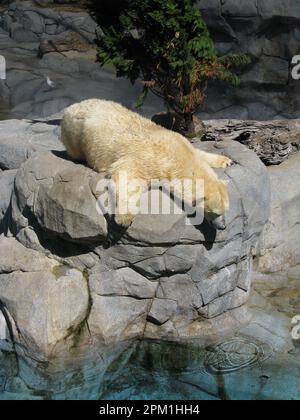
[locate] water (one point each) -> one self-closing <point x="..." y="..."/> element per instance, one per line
<point x="237" y="367"/>
<point x="152" y="370"/>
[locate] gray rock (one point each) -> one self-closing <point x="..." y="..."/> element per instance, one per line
<point x="248" y="26"/>
<point x="32" y="21"/>
<point x="19" y="33"/>
<point x="19" y="139"/>
<point x="280" y="245"/>
<point x="182" y="290"/>
<point x="15" y="257"/>
<point x="162" y="310"/>
<point x="44" y="307"/>
<point x="271" y="8"/>
<point x="6" y="186"/>
<point x="115" y="318"/>
<point x="269" y="71"/>
<point x="57" y="193"/>
<point x="222" y="304"/>
<point x="243" y="8"/>
<point x="123" y="282"/>
<point x="162" y="277"/>
<point x="45" y="299"/>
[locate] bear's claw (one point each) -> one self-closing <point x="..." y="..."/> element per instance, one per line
<point x="226" y="162"/>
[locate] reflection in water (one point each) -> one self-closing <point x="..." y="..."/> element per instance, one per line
<point x="234" y="369"/>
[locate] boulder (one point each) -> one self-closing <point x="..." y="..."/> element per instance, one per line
<point x="280" y="245"/>
<point x="46" y="301"/>
<point x="163" y="274"/>
<point x="20" y="138"/>
<point x="56" y="193"/>
<point x="32" y="22"/>
<point x="6" y="187"/>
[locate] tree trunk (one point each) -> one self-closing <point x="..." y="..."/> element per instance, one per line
<point x="188" y="125"/>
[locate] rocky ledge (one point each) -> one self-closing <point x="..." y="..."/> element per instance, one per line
<point x="62" y="283"/>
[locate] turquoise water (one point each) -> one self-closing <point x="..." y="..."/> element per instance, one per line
<point x="235" y="369"/>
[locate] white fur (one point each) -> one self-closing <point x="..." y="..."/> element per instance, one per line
<point x="111" y="138"/>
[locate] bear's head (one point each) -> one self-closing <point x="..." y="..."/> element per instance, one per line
<point x="216" y="203"/>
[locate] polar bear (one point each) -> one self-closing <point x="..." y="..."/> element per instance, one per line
<point x="111" y="139"/>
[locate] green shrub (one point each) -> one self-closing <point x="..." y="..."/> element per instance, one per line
<point x="167" y="44"/>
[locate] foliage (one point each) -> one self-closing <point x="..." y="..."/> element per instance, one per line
<point x="167" y="44"/>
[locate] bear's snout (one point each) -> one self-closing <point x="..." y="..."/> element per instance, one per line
<point x="219" y="223"/>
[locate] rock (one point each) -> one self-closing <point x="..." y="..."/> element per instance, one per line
<point x="180" y="290"/>
<point x="244" y="8"/>
<point x="19" y="33"/>
<point x="46" y="300"/>
<point x="123" y="282"/>
<point x="280" y="246"/>
<point x="162" y="271"/>
<point x="15" y="257"/>
<point x="68" y="42"/>
<point x="273" y="141"/>
<point x="19" y="139"/>
<point x="57" y="193"/>
<point x="33" y="21"/>
<point x="161" y="311"/>
<point x="269" y="71"/>
<point x="267" y="91"/>
<point x="6" y="186"/>
<point x="163" y="277"/>
<point x="277" y="144"/>
<point x="270" y="9"/>
<point x="222" y="304"/>
<point x="117" y="318"/>
<point x="252" y="27"/>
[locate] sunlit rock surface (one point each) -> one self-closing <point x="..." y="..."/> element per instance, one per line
<point x="162" y="278"/>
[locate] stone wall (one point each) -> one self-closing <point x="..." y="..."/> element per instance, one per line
<point x="280" y="245"/>
<point x="26" y="22"/>
<point x="269" y="32"/>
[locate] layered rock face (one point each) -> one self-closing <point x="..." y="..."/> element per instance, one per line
<point x="51" y="63"/>
<point x="280" y="246"/>
<point x="26" y="22"/>
<point x="42" y="43"/>
<point x="277" y="144"/>
<point x="269" y="32"/>
<point x="162" y="278"/>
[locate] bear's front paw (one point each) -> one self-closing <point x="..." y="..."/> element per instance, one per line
<point x="225" y="162"/>
<point x="124" y="219"/>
